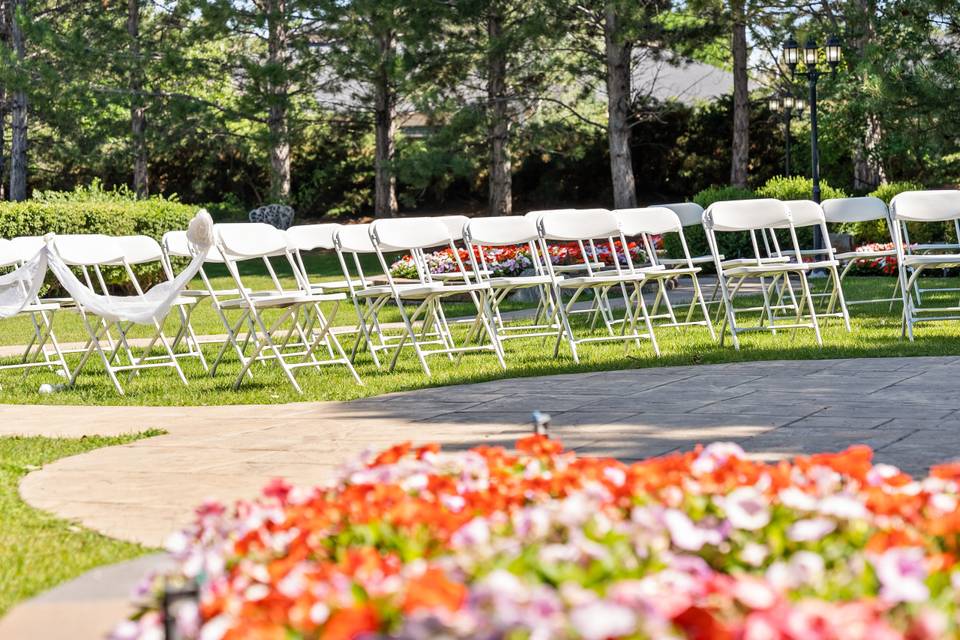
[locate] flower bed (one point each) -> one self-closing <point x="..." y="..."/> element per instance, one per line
<point x="417" y="543"/>
<point x="510" y="260"/>
<point x="882" y="266"/>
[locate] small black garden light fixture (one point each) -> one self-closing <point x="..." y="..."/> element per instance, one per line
<point x="789" y="106"/>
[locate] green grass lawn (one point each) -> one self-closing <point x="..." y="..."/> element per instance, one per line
<point x="38" y="551"/>
<point x="876" y="332"/>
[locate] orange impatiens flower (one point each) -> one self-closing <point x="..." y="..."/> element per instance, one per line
<point x="434" y="591"/>
<point x="350" y="623"/>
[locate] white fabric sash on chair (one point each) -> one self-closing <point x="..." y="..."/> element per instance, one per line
<point x="153" y="305"/>
<point x="20" y="288"/>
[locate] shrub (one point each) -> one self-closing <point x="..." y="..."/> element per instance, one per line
<point x="93" y="212"/>
<point x="420" y="543"/>
<point x="732" y="245"/>
<point x="796" y="188"/>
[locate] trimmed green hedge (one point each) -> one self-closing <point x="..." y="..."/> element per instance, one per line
<point x="117" y="217"/>
<point x="151" y="217"/>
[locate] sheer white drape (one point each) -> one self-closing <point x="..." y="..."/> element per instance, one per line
<point x="20" y="287"/>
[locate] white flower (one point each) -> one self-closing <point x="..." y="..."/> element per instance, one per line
<point x="840" y="506"/>
<point x="746" y="509"/>
<point x="797" y="499"/>
<point x="810" y="529"/>
<point x="602" y="619"/>
<point x="474" y="533"/>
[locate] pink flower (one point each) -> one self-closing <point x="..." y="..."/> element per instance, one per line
<point x="901" y="573"/>
<point x="685" y="534"/>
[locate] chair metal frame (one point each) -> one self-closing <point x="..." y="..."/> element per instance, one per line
<point x="41" y="314"/>
<point x="308" y="331"/>
<point x="920" y="207"/>
<point x="753" y="217"/>
<point x="592" y="226"/>
<point x="414" y="235"/>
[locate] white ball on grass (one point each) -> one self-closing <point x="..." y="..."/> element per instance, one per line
<point x="46" y="388"/>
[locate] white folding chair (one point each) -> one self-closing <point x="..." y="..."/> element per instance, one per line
<point x="863" y="209"/>
<point x="807" y="213"/>
<point x="313" y="237"/>
<point x="753" y="217"/>
<point x="91" y="254"/>
<point x="484" y="234"/>
<point x="414" y="235"/>
<point x="595" y="226"/>
<point x="144" y="250"/>
<point x="644" y="223"/>
<point x="292" y="340"/>
<point x="41" y="314"/>
<point x="922" y="207"/>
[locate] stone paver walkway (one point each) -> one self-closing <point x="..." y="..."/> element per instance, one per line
<point x="907" y="409"/>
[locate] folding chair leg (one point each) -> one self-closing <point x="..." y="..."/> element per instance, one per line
<point x="813" y="311"/>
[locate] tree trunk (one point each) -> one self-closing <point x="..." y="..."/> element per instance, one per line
<point x="18" y="108"/>
<point x="868" y="170"/>
<point x="740" y="155"/>
<point x="501" y="188"/>
<point x="385" y="183"/>
<point x="138" y="110"/>
<point x="277" y="122"/>
<point x="618" y="56"/>
<point x="4" y="107"/>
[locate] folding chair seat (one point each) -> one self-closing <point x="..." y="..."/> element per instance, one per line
<point x="414" y="235"/>
<point x="482" y="234"/>
<point x="41" y="313"/>
<point x="91" y="253"/>
<point x="295" y="338"/>
<point x="922" y="207"/>
<point x="595" y="226"/>
<point x="929" y="248"/>
<point x="658" y="221"/>
<point x="755" y="217"/>
<point x="143" y="250"/>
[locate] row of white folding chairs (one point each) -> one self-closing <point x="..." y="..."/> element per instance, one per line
<point x="536" y="231"/>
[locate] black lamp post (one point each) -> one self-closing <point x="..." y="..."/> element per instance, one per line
<point x="811" y="59"/>
<point x="789" y="107"/>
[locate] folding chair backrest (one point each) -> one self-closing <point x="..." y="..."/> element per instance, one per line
<point x="803" y="213"/>
<point x="535" y="215"/>
<point x="405" y="234"/>
<point x="88" y="250"/>
<point x="746" y="215"/>
<point x="27" y="246"/>
<point x="926" y="206"/>
<point x="647" y="220"/>
<point x="140" y="249"/>
<point x="9" y="257"/>
<point x="354" y="238"/>
<point x="860" y="209"/>
<point x="690" y="213"/>
<point x="247" y="240"/>
<point x="455" y="225"/>
<point x="501" y="231"/>
<point x="585" y="224"/>
<point x="176" y="245"/>
<point x="307" y="237"/>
